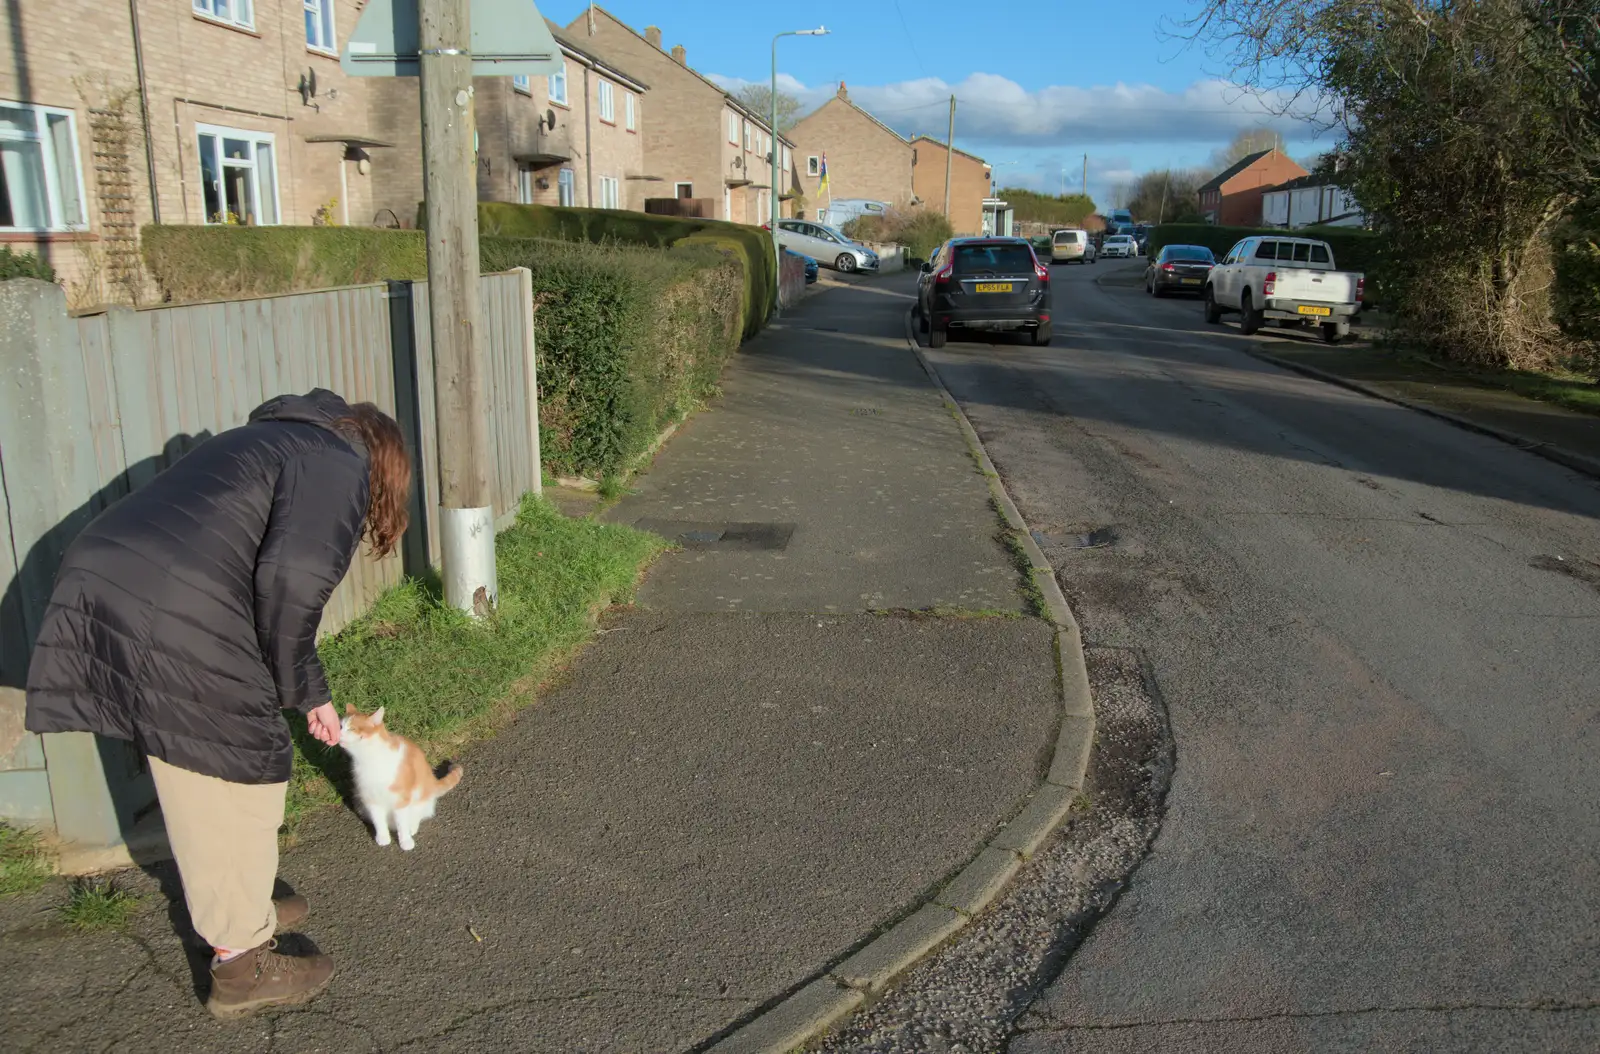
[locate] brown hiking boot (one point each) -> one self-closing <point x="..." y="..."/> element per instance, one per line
<point x="261" y="978"/>
<point x="291" y="910"/>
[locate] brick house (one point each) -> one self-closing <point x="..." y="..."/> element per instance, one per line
<point x="866" y="158"/>
<point x="591" y="155"/>
<point x="969" y="183"/>
<point x="700" y="141"/>
<point x="250" y="119"/>
<point x="1232" y="197"/>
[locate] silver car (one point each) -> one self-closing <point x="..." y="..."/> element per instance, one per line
<point x="1119" y="245"/>
<point x="827" y="245"/>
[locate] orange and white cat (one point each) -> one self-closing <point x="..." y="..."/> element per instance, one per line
<point x="394" y="782"/>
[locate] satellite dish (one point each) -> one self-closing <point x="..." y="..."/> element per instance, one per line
<point x="550" y="120"/>
<point x="312" y="77"/>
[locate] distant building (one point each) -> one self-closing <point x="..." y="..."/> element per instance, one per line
<point x="1308" y="200"/>
<point x="1232" y="197"/>
<point x="867" y="159"/>
<point x="969" y="183"/>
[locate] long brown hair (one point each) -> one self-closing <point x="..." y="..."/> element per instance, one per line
<point x="389" y="473"/>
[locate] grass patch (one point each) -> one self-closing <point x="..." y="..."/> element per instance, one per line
<point x="24" y="863"/>
<point x="445" y="678"/>
<point x="98" y="904"/>
<point x="1572" y="391"/>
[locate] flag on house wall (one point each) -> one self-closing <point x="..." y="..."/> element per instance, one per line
<point x="823" y="171"/>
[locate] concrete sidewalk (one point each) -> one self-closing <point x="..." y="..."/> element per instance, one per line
<point x="775" y="755"/>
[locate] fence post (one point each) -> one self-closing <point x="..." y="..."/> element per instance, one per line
<point x="531" y="375"/>
<point x="408" y="414"/>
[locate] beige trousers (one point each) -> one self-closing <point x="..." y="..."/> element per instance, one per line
<point x="224" y="837"/>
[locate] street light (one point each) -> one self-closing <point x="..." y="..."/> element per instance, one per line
<point x="772" y="194"/>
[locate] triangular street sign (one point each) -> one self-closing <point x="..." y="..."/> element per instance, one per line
<point x="509" y="38"/>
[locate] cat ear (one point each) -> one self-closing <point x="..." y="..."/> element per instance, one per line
<point x="350" y="709"/>
<point x="377" y="716"/>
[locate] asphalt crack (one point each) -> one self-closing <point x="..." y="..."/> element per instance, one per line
<point x="1528" y="1006"/>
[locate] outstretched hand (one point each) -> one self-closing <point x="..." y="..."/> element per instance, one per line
<point x="323" y="723"/>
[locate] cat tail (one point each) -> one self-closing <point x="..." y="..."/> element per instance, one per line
<point x="449" y="779"/>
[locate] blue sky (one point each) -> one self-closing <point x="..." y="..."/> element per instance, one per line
<point x="1090" y="76"/>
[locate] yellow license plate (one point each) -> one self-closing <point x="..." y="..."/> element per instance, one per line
<point x="992" y="287"/>
<point x="1307" y="309"/>
<point x="1191" y="281"/>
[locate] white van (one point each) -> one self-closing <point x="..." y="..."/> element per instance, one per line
<point x="1071" y="245"/>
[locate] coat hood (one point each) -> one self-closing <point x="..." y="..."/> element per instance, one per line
<point x="317" y="407"/>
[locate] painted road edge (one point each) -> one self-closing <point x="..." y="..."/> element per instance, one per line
<point x="819" y="1005"/>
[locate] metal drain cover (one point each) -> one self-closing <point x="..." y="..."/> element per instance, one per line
<point x="693" y="534"/>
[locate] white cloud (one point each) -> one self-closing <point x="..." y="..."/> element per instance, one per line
<point x="996" y="111"/>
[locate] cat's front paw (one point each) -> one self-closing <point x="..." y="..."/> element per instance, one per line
<point x="407" y="844"/>
<point x="382" y="837"/>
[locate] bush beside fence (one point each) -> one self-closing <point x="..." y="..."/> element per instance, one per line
<point x="629" y="338"/>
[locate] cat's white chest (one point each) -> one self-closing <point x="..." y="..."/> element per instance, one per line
<point x="376" y="767"/>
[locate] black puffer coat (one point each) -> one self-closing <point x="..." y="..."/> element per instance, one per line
<point x="185" y="616"/>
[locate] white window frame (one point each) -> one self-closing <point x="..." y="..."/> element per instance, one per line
<point x="524" y="185"/>
<point x="319" y="14"/>
<point x="629" y="112"/>
<point x="747" y="135"/>
<point x="610" y="192"/>
<point x="813" y="165"/>
<point x="785" y="160"/>
<point x="733" y="129"/>
<point x="255" y="139"/>
<point x="239" y="13"/>
<point x="558" y="86"/>
<point x="56" y="219"/>
<point x="680" y="185"/>
<point x="607" y="96"/>
<point x="566" y="187"/>
<point x="523" y="83"/>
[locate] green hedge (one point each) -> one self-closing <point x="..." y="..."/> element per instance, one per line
<point x="630" y="338"/>
<point x="751" y="246"/>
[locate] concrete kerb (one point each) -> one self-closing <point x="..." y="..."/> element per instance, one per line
<point x="1565" y="458"/>
<point x="819" y="1005"/>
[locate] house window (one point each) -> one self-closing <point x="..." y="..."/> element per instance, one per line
<point x="564" y="192"/>
<point x="784" y="163"/>
<point x="747" y="137"/>
<point x="608" y="102"/>
<point x="733" y="129"/>
<point x="524" y="185"/>
<point x="521" y="83"/>
<point x="41" y="187"/>
<point x="238" y="176"/>
<point x="628" y="113"/>
<point x="683" y="191"/>
<point x="234" y="12"/>
<point x="813" y="166"/>
<point x="319" y="26"/>
<point x="610" y="193"/>
<point x="558" y="85"/>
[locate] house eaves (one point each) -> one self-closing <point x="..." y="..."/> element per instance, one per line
<point x="1216" y="181"/>
<point x="760" y="121"/>
<point x="572" y="50"/>
<point x="940" y="144"/>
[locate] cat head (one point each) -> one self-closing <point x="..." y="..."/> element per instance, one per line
<point x="359" y="726"/>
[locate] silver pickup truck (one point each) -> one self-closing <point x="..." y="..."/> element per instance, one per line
<point x="1291" y="280"/>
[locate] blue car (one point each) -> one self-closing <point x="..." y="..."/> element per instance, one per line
<point x="811" y="265"/>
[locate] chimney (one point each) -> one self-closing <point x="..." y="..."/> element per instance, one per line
<point x="653" y="35"/>
<point x="842" y="93"/>
<point x="678" y="55"/>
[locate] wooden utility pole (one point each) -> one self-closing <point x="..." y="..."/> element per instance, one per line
<point x="949" y="155"/>
<point x="450" y="196"/>
<point x="1085" y="175"/>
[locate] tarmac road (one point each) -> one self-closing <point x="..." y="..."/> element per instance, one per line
<point x="1376" y="637"/>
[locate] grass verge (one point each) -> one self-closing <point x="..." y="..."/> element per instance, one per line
<point x="445" y="679"/>
<point x="1572" y="391"/>
<point x="95" y="905"/>
<point x="24" y="863"/>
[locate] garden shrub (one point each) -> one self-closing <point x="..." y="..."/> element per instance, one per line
<point x="24" y="265"/>
<point x="921" y="231"/>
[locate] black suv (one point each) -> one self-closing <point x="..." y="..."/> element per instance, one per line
<point x="984" y="283"/>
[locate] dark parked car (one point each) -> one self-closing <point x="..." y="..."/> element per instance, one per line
<point x="811" y="265"/>
<point x="1178" y="269"/>
<point x="983" y="283"/>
